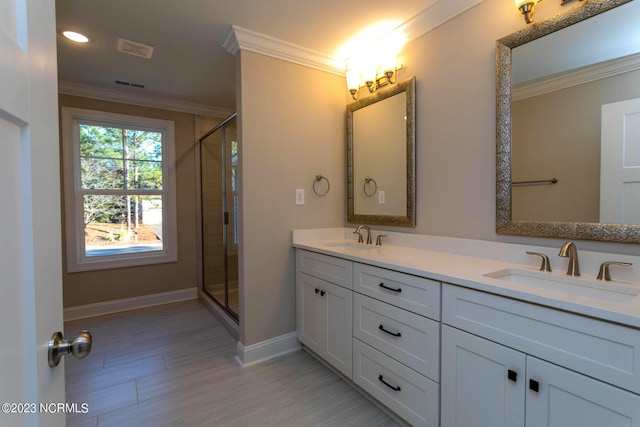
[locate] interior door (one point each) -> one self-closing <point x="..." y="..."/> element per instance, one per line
<point x="620" y="163"/>
<point x="30" y="246"/>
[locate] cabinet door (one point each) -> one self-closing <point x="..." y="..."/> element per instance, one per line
<point x="325" y="321"/>
<point x="338" y="306"/>
<point x="478" y="385"/>
<point x="565" y="398"/>
<point x="310" y="315"/>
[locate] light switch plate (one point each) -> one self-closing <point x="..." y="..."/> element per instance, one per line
<point x="381" y="197"/>
<point x="299" y="196"/>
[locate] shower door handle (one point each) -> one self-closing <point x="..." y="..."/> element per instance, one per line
<point x="226" y="218"/>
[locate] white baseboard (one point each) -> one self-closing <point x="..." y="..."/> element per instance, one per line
<point x="115" y="306"/>
<point x="265" y="350"/>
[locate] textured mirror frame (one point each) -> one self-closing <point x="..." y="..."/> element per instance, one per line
<point x="408" y="220"/>
<point x="504" y="225"/>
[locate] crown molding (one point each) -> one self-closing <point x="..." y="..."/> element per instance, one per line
<point x="239" y="38"/>
<point x="76" y="89"/>
<point x="578" y="77"/>
<point x="437" y="13"/>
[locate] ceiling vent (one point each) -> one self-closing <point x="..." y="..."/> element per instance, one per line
<point x="135" y="48"/>
<point x="123" y="83"/>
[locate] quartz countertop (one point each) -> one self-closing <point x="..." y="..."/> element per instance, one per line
<point x="470" y="272"/>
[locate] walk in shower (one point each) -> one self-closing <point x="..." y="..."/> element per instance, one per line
<point x="219" y="192"/>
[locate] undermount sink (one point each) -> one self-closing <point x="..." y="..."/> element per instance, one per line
<point x="348" y="246"/>
<point x="610" y="291"/>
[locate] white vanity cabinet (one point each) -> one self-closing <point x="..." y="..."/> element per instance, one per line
<point x="493" y="372"/>
<point x="324" y="309"/>
<point x="380" y="328"/>
<point x="396" y="344"/>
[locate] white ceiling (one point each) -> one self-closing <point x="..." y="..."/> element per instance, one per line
<point x="189" y="63"/>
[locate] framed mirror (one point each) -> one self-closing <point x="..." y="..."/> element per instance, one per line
<point x="381" y="157"/>
<point x="561" y="135"/>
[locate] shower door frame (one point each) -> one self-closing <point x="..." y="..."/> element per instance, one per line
<point x="225" y="211"/>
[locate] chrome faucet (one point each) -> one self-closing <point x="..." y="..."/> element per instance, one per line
<point x="366" y="227"/>
<point x="569" y="249"/>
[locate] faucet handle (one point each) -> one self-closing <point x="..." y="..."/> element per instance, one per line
<point x="603" y="274"/>
<point x="379" y="239"/>
<point x="359" y="236"/>
<point x="545" y="264"/>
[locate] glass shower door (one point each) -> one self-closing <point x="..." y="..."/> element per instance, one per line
<point x="219" y="186"/>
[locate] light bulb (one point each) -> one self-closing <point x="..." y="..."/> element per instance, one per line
<point x="76" y="37"/>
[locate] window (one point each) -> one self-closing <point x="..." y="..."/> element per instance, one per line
<point x="119" y="190"/>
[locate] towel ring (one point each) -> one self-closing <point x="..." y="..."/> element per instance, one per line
<point x="364" y="187"/>
<point x="318" y="179"/>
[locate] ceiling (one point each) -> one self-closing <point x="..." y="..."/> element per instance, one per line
<point x="189" y="63"/>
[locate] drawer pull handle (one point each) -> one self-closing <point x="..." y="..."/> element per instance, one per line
<point x="391" y="289"/>
<point x="395" y="334"/>
<point x="322" y="293"/>
<point x="512" y="375"/>
<point x="396" y="388"/>
<point x="534" y="385"/>
<point x="317" y="290"/>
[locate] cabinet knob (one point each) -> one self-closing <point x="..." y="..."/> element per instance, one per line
<point x="317" y="290"/>
<point x="534" y="385"/>
<point x="512" y="375"/>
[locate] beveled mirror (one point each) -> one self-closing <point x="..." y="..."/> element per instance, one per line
<point x="558" y="167"/>
<point x="381" y="157"/>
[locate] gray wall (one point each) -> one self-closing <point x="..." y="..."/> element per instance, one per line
<point x="454" y="66"/>
<point x="106" y="285"/>
<point x="293" y="127"/>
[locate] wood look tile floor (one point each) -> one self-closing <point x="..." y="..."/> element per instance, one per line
<point x="174" y="366"/>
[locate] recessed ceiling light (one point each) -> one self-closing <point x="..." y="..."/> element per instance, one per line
<point x="76" y="37"/>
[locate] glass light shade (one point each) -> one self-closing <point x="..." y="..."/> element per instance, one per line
<point x="388" y="62"/>
<point x="353" y="79"/>
<point x="370" y="73"/>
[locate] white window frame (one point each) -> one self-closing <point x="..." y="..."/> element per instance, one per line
<point x="71" y="118"/>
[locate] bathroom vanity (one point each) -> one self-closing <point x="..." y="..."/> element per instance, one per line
<point x="453" y="332"/>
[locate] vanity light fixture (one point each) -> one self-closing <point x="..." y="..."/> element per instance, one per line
<point x="373" y="76"/>
<point x="75" y="36"/>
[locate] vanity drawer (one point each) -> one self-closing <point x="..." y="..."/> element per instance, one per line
<point x="410" y="339"/>
<point x="596" y="348"/>
<point x="416" y="294"/>
<point x="331" y="269"/>
<point x="410" y="395"/>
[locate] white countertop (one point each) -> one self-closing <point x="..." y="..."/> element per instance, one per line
<point x="469" y="271"/>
